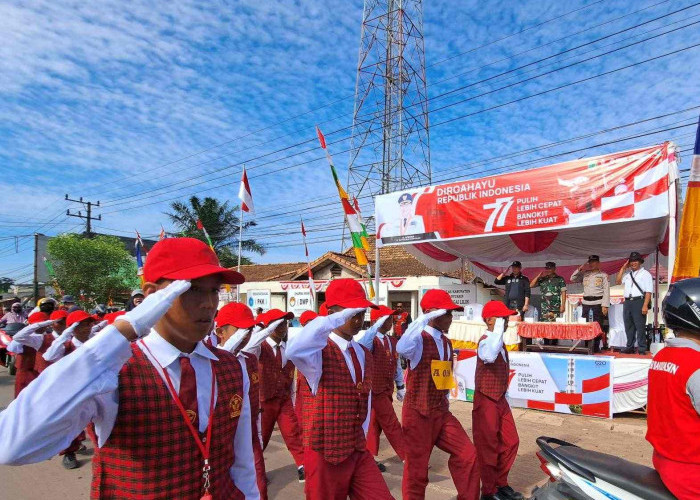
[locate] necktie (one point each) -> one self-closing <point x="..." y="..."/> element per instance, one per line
<point x="445" y="351"/>
<point x="278" y="355"/>
<point x="188" y="390"/>
<point x="386" y="345"/>
<point x="356" y="366"/>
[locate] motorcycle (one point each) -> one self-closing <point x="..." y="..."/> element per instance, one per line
<point x="578" y="474"/>
<point x="7" y="358"/>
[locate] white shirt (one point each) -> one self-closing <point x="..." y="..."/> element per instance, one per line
<point x="491" y="346"/>
<point x="306" y="354"/>
<point x="643" y="279"/>
<point x="410" y="345"/>
<point x="84" y="387"/>
<point x="367" y="340"/>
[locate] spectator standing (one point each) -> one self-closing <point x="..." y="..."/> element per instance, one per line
<point x="517" y="294"/>
<point x="401" y="320"/>
<point x="638" y="288"/>
<point x="553" y="293"/>
<point x="596" y="289"/>
<point x="16" y="315"/>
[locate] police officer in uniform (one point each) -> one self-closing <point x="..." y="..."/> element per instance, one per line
<point x="517" y="294"/>
<point x="596" y="290"/>
<point x="553" y="293"/>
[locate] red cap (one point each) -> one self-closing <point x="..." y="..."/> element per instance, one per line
<point x="235" y="314"/>
<point x="375" y="314"/>
<point x="274" y="315"/>
<point x="496" y="309"/>
<point x="347" y="293"/>
<point x="58" y="315"/>
<point x="307" y="317"/>
<point x="77" y="317"/>
<point x="323" y="310"/>
<point x="111" y="317"/>
<point x="37" y="317"/>
<point x="438" y="299"/>
<point x="185" y="259"/>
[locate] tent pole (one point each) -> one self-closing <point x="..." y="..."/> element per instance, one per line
<point x="376" y="274"/>
<point x="656" y="293"/>
<point x="462" y="271"/>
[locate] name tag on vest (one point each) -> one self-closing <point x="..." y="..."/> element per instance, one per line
<point x="441" y="372"/>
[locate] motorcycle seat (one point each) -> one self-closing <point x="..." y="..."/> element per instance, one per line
<point x="635" y="478"/>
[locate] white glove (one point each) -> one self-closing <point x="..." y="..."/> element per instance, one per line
<point x="400" y="394"/>
<point x="258" y="337"/>
<point x="98" y="327"/>
<point x="68" y="332"/>
<point x="36" y="326"/>
<point x="366" y="338"/>
<point x="340" y="318"/>
<point x="153" y="307"/>
<point x="234" y="340"/>
<point x="422" y="321"/>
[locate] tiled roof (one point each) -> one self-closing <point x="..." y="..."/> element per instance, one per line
<point x="272" y="272"/>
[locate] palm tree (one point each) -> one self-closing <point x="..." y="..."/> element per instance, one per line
<point x="222" y="224"/>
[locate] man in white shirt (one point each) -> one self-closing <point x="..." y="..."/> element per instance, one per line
<point x="143" y="380"/>
<point x="639" y="286"/>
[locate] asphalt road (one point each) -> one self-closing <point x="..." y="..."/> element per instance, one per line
<point x="623" y="436"/>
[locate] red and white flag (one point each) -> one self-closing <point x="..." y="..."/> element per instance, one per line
<point x="312" y="288"/>
<point x="245" y="195"/>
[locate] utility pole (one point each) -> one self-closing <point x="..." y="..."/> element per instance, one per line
<point x="36" y="268"/>
<point x="88" y="218"/>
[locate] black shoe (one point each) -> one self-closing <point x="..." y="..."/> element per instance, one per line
<point x="626" y="350"/>
<point x="70" y="462"/>
<point x="302" y="477"/>
<point x="82" y="450"/>
<point x="495" y="496"/>
<point x="510" y="493"/>
<point x="380" y="466"/>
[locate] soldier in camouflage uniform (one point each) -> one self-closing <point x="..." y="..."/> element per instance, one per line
<point x="553" y="294"/>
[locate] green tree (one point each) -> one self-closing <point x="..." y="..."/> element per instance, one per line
<point x="5" y="284"/>
<point x="93" y="270"/>
<point x="221" y="222"/>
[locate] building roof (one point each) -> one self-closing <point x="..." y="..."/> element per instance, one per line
<point x="395" y="262"/>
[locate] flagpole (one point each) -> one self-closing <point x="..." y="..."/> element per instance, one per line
<point x="376" y="271"/>
<point x="240" y="238"/>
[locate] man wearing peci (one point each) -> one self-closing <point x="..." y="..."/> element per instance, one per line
<point x="638" y="285"/>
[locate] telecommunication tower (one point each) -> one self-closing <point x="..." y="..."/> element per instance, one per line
<point x="390" y="145"/>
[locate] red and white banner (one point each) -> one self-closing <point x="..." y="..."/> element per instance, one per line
<point x="617" y="187"/>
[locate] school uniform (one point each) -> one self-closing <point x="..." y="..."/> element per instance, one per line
<point x="121" y="388"/>
<point x="427" y="421"/>
<point x="276" y="378"/>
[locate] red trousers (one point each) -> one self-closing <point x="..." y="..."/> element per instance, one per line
<point x="25" y="371"/>
<point x="260" y="473"/>
<point x="383" y="418"/>
<point x="75" y="444"/>
<point x="281" y="411"/>
<point x="439" y="428"/>
<point x="683" y="480"/>
<point x="496" y="440"/>
<point x="356" y="477"/>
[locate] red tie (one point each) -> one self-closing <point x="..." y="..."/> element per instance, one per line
<point x="188" y="390"/>
<point x="386" y="345"/>
<point x="278" y="355"/>
<point x="444" y="348"/>
<point x="356" y="365"/>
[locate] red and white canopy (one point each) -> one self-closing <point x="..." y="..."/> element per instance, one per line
<point x="607" y="205"/>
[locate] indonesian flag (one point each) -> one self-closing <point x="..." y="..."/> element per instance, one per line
<point x="312" y="288"/>
<point x="244" y="194"/>
<point x="688" y="256"/>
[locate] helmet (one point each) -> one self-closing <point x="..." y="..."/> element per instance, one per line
<point x="681" y="306"/>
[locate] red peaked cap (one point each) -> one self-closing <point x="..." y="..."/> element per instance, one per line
<point x="307" y="317"/>
<point x="236" y="314"/>
<point x="37" y="317"/>
<point x="273" y="315"/>
<point x="77" y="317"/>
<point x="375" y="314"/>
<point x="58" y="315"/>
<point x="438" y="299"/>
<point x="111" y="317"/>
<point x="347" y="293"/>
<point x="496" y="309"/>
<point x="185" y="259"/>
<point x="323" y="310"/>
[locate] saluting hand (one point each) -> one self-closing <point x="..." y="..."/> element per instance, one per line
<point x="139" y="321"/>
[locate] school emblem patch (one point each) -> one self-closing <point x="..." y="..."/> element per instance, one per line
<point x="235" y="406"/>
<point x="192" y="415"/>
<point x="254" y="378"/>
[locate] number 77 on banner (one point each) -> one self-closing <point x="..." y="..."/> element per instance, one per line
<point x="500" y="210"/>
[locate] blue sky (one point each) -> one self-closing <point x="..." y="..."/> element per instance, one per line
<point x="118" y="102"/>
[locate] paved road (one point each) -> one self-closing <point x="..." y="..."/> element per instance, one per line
<point x="623" y="436"/>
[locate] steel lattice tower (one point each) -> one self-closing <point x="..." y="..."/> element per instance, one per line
<point x="390" y="145"/>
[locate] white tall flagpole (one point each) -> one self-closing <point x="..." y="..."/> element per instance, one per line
<point x="240" y="237"/>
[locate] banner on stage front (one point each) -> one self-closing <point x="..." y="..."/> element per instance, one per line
<point x="562" y="383"/>
<point x="631" y="185"/>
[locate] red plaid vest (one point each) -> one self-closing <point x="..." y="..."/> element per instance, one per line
<point x="251" y="363"/>
<point x="384" y="369"/>
<point x="40" y="364"/>
<point x="333" y="418"/>
<point x="150" y="452"/>
<point x="421" y="393"/>
<point x="275" y="382"/>
<point x="491" y="379"/>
